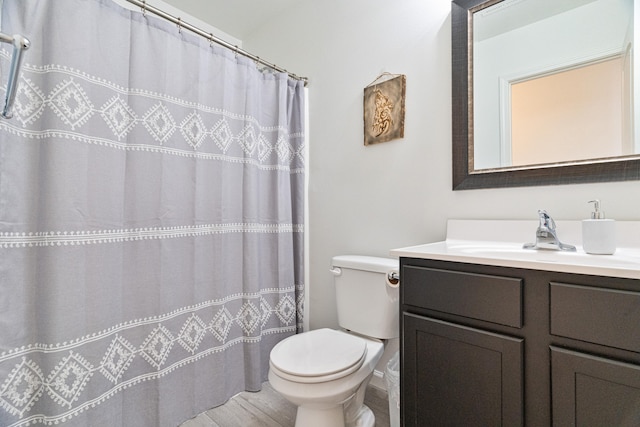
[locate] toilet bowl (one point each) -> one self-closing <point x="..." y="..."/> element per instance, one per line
<point x="325" y="373"/>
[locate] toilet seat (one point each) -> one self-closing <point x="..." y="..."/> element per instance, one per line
<point x="318" y="356"/>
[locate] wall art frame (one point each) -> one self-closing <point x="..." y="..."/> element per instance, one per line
<point x="384" y="109"/>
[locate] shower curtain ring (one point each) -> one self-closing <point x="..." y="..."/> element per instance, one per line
<point x="210" y="39"/>
<point x="144" y="8"/>
<point x="179" y="25"/>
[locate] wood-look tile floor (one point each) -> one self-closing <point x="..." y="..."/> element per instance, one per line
<point x="268" y="409"/>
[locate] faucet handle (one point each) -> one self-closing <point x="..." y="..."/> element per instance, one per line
<point x="545" y="220"/>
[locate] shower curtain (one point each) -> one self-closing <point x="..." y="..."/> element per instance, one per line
<point x="151" y="219"/>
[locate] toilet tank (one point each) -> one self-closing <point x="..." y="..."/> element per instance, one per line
<point x="367" y="301"/>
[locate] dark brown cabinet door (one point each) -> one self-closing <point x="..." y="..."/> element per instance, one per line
<point x="454" y="375"/>
<point x="593" y="391"/>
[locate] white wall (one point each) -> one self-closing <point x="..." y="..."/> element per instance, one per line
<point x="367" y="200"/>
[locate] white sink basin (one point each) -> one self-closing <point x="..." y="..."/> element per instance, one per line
<point x="622" y="257"/>
<point x="624" y="263"/>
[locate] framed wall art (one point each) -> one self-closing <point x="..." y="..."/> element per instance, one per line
<point x="384" y="109"/>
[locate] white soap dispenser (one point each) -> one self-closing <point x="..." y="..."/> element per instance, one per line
<point x="598" y="233"/>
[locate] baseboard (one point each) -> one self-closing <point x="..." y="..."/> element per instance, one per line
<point x="377" y="381"/>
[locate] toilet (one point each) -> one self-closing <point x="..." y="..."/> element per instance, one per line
<point x="325" y="372"/>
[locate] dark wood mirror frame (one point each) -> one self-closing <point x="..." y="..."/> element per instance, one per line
<point x="464" y="177"/>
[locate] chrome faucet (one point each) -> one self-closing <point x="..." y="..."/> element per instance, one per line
<point x="546" y="236"/>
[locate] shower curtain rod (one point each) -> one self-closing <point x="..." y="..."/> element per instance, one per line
<point x="182" y="24"/>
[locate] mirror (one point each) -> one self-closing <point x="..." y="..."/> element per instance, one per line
<point x="543" y="92"/>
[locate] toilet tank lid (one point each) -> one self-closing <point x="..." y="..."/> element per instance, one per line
<point x="366" y="263"/>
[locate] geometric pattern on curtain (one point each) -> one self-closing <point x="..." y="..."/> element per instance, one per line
<point x="151" y="219"/>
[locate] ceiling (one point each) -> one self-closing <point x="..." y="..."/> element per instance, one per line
<point x="238" y="18"/>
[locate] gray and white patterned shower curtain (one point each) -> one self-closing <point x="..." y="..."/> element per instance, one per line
<point x="151" y="219"/>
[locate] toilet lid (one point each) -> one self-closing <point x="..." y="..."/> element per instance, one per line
<point x="320" y="352"/>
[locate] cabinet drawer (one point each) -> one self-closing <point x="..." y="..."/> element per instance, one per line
<point x="597" y="315"/>
<point x="495" y="299"/>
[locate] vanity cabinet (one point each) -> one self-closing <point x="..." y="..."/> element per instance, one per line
<point x="501" y="346"/>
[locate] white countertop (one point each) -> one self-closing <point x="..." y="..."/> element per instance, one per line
<point x="499" y="243"/>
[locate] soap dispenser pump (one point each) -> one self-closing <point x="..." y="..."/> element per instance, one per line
<point x="598" y="233"/>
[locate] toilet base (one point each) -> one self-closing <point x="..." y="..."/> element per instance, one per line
<point x="309" y="416"/>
